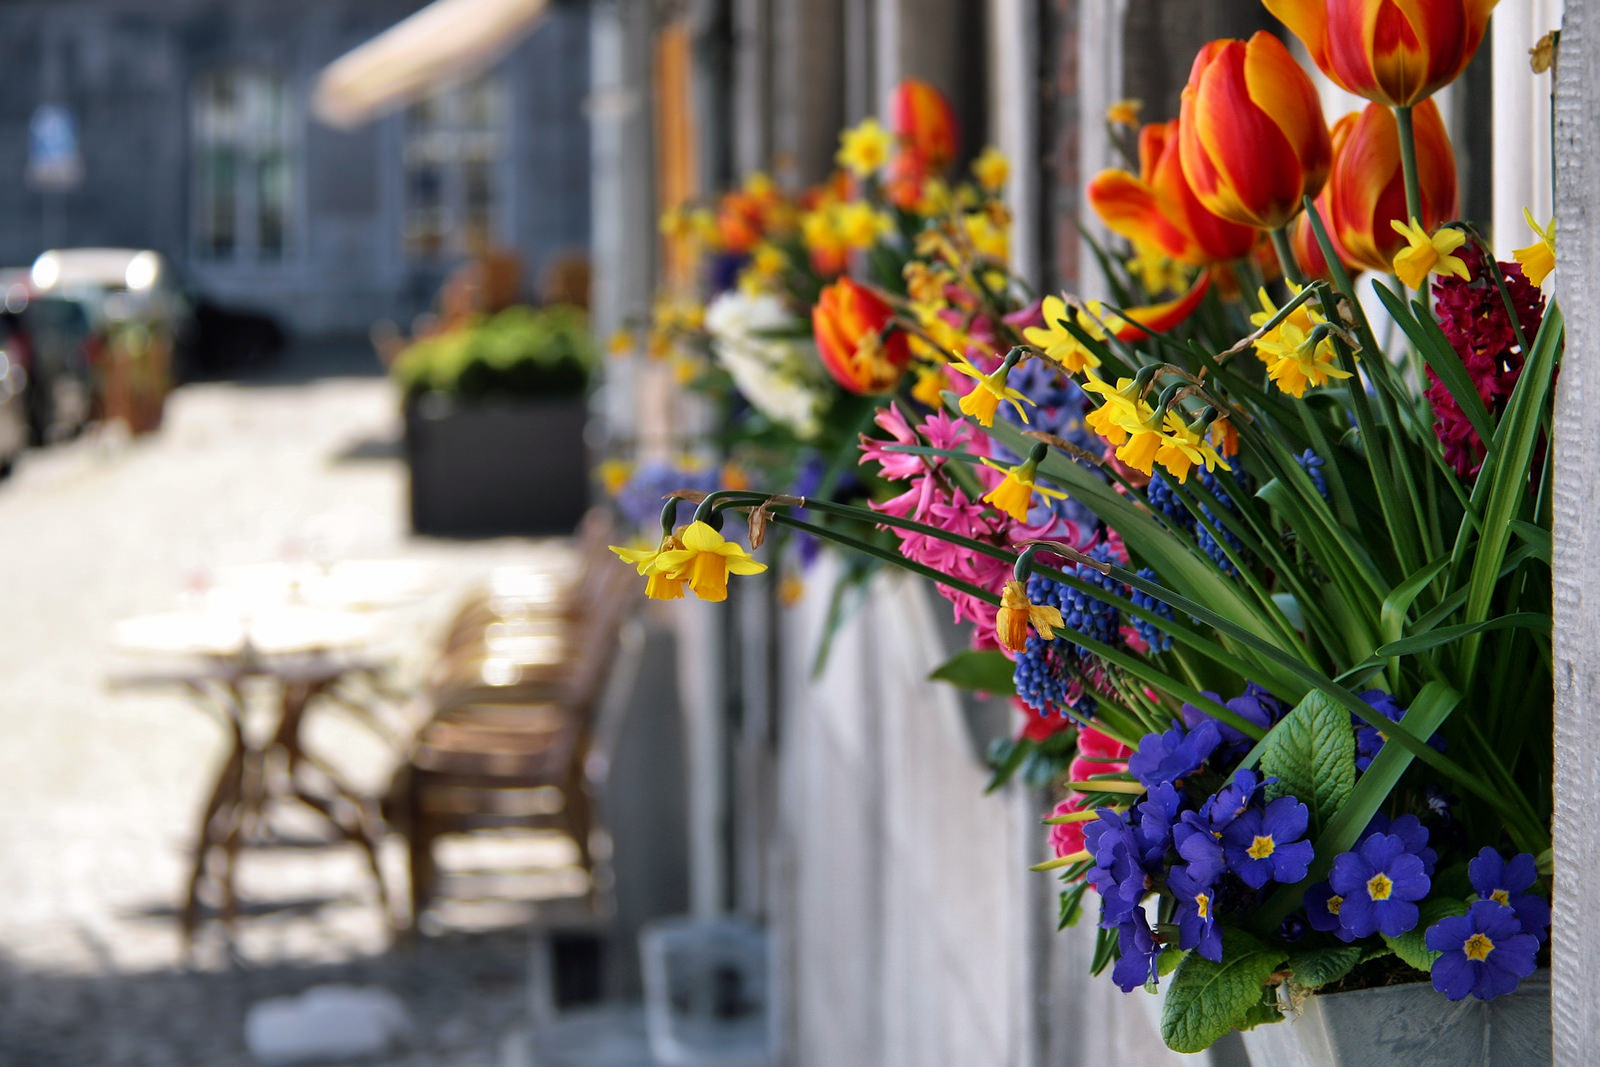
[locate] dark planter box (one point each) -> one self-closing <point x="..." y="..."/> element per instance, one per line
<point x="495" y="467"/>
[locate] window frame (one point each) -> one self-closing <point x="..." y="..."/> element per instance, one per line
<point x="456" y="131"/>
<point x="251" y="144"/>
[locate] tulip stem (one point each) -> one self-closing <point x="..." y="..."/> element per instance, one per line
<point x="1408" y="163"/>
<point x="1291" y="266"/>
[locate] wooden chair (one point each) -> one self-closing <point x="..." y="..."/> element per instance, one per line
<point x="514" y="755"/>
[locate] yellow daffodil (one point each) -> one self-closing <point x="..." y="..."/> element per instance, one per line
<point x="1058" y="343"/>
<point x="620" y="343"/>
<point x="1139" y="451"/>
<point x="935" y="197"/>
<point x="677" y="224"/>
<point x="1294" y="361"/>
<point x="1224" y="437"/>
<point x="864" y="149"/>
<point x="685" y="368"/>
<point x="1156" y="271"/>
<point x="985" y="399"/>
<point x="705" y="561"/>
<point x="1016" y="612"/>
<point x="767" y="263"/>
<point x="1183" y="448"/>
<point x="791" y="589"/>
<point x="925" y="284"/>
<point x="991" y="168"/>
<point x="1427" y="254"/>
<point x="1539" y="258"/>
<point x="1120" y="408"/>
<point x="860" y="225"/>
<point x="665" y="583"/>
<point x="1124" y="112"/>
<point x="928" y="389"/>
<point x="1014" y="494"/>
<point x="988" y="234"/>
<point x="614" y="474"/>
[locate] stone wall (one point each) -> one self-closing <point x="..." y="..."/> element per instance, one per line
<point x="125" y="69"/>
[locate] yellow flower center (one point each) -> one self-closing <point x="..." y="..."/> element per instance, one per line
<point x="1477" y="947"/>
<point x="1379" y="887"/>
<point x="1500" y="896"/>
<point x="1261" y="847"/>
<point x="1334" y="904"/>
<point x="1202" y="904"/>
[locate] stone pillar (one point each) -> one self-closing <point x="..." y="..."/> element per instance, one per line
<point x="1575" y="950"/>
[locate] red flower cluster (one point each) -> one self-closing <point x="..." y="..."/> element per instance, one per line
<point x="1473" y="316"/>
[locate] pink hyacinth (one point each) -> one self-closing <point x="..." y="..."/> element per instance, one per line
<point x="895" y="466"/>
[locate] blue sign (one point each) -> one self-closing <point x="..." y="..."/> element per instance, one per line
<point x="54" y="161"/>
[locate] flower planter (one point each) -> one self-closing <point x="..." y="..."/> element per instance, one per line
<point x="496" y="467"/>
<point x="1411" y="1025"/>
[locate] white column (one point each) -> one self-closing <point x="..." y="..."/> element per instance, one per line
<point x="1099" y="86"/>
<point x="1575" y="950"/>
<point x="1523" y="169"/>
<point x="1014" y="123"/>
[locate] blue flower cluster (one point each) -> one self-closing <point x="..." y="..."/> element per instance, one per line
<point x="1163" y="499"/>
<point x="1045" y="670"/>
<point x="1369" y="739"/>
<point x="1211" y="852"/>
<point x="1495" y="945"/>
<point x="1375" y="888"/>
<point x="641" y="499"/>
<point x="1204" y="537"/>
<point x="1254" y="705"/>
<point x="1313" y="464"/>
<point x="1153" y="635"/>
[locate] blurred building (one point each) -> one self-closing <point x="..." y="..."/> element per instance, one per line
<point x="184" y="126"/>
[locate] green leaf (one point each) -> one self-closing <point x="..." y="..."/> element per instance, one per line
<point x="1071" y="904"/>
<point x="1428" y="711"/>
<point x="1006" y="756"/>
<point x="1410" y="946"/>
<point x="1440" y="356"/>
<point x="1316" y="967"/>
<point x="1398" y="603"/>
<point x="988" y="671"/>
<point x="1206" y="1000"/>
<point x="1263" y="1012"/>
<point x="1410" y="646"/>
<point x="1169" y="961"/>
<point x="1312" y="753"/>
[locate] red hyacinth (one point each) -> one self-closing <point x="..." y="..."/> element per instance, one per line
<point x="1473" y="316"/>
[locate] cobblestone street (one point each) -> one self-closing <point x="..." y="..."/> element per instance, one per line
<point x="103" y="788"/>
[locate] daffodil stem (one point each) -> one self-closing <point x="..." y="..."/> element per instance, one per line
<point x="1408" y="163"/>
<point x="1291" y="266"/>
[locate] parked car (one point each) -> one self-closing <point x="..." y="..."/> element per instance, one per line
<point x="133" y="305"/>
<point x="57" y="344"/>
<point x="13" y="396"/>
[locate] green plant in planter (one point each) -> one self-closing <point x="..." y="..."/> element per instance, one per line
<point x="518" y="352"/>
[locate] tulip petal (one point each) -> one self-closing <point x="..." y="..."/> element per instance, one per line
<point x="1159" y="317"/>
<point x="1130" y="207"/>
<point x="1279" y="87"/>
<point x="1224" y="126"/>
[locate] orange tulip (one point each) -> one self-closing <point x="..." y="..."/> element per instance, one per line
<point x="921" y="117"/>
<point x="1302" y="238"/>
<point x="849" y="323"/>
<point x="1251" y="134"/>
<point x="1366" y="191"/>
<point x="1395" y="52"/>
<point x="740" y="222"/>
<point x="1157" y="207"/>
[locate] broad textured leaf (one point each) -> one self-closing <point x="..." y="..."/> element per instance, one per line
<point x="1206" y="1000"/>
<point x="989" y="671"/>
<point x="1410" y="945"/>
<point x="1263" y="1011"/>
<point x="1316" y="967"/>
<point x="1312" y="753"/>
<point x="1427" y="713"/>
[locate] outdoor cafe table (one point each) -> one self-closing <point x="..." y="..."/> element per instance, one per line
<point x="303" y="653"/>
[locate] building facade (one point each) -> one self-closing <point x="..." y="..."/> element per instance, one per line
<point x="188" y="130"/>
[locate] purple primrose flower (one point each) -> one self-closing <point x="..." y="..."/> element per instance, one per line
<point x="1265" y="845"/>
<point x="1506" y="882"/>
<point x="1379" y="884"/>
<point x="1484" y="952"/>
<point x="1170" y="756"/>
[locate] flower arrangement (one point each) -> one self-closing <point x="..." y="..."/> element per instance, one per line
<point x="1279" y="592"/>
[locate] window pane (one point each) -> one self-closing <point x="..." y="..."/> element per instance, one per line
<point x="272" y="204"/>
<point x="452" y="147"/>
<point x="242" y="163"/>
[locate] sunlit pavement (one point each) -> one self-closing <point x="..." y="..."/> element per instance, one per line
<point x="102" y="789"/>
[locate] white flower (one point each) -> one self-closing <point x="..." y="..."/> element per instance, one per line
<point x="779" y="377"/>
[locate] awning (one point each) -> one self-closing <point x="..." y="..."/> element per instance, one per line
<point x="445" y="40"/>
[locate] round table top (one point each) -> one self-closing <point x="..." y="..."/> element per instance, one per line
<point x="277" y="630"/>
